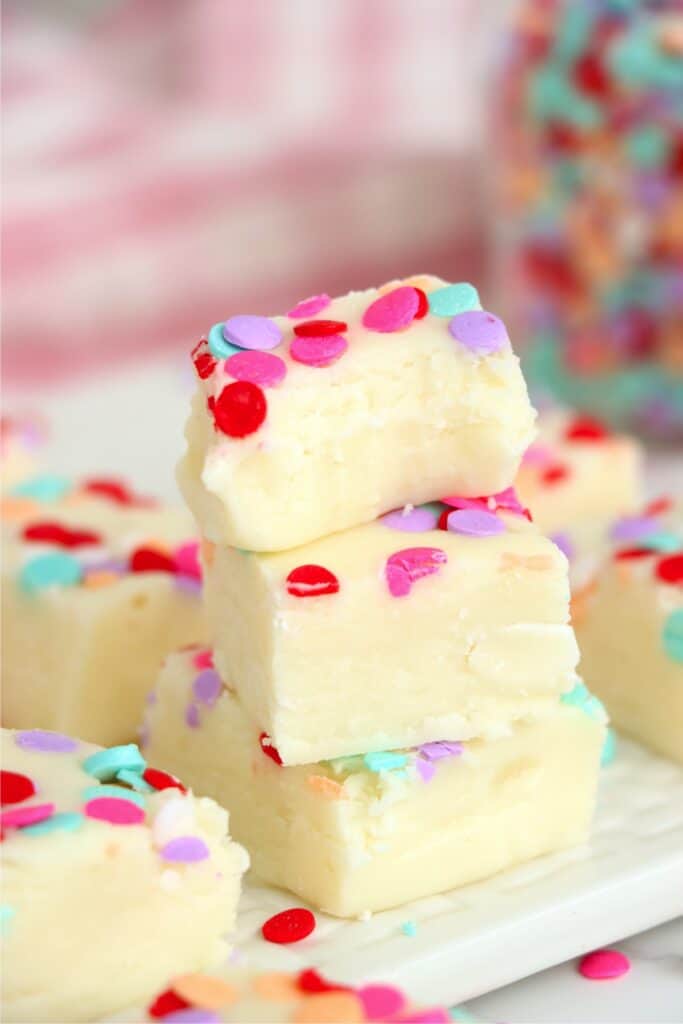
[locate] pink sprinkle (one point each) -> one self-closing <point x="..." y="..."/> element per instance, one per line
<point x="436" y="1015"/>
<point x="604" y="964"/>
<point x="309" y="307"/>
<point x="410" y="564"/>
<point x="203" y="659"/>
<point x="318" y="351"/>
<point x="381" y="1001"/>
<point x="186" y="559"/>
<point x="455" y="501"/>
<point x="415" y="520"/>
<point x="262" y="368"/>
<point x="116" y="812"/>
<point x="475" y="523"/>
<point x="18" y="817"/>
<point x="508" y="501"/>
<point x="538" y="455"/>
<point x="392" y="311"/>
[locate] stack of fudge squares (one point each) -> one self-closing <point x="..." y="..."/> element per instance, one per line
<point x="392" y="679"/>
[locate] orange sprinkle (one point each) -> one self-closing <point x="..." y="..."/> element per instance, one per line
<point x="16" y="509"/>
<point x="278" y="987"/>
<point x="326" y="787"/>
<point x="208" y="552"/>
<point x="580" y="599"/>
<point x="330" y="1008"/>
<point x="204" y="991"/>
<point x="96" y="579"/>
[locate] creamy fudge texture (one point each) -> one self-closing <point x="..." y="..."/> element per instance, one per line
<point x="629" y="624"/>
<point x="242" y="996"/>
<point x="354" y="834"/>
<point x="578" y="472"/>
<point x="97" y="587"/>
<point x="397" y="632"/>
<point x="114" y="878"/>
<point x="320" y="420"/>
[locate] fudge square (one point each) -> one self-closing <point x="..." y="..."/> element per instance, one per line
<point x="368" y="832"/>
<point x="450" y="619"/>
<point x="345" y="408"/>
<point x="629" y="624"/>
<point x="98" y="585"/>
<point x="114" y="878"/>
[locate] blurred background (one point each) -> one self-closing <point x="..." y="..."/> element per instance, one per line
<point x="169" y="162"/>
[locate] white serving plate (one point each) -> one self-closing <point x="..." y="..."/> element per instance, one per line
<point x="627" y="878"/>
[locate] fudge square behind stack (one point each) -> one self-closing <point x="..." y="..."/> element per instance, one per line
<point x="392" y="680"/>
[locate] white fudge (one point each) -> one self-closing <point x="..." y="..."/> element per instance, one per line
<point x="114" y="879"/>
<point x="396" y="632"/>
<point x="95" y="591"/>
<point x="629" y="624"/>
<point x="297" y="432"/>
<point x="355" y="834"/>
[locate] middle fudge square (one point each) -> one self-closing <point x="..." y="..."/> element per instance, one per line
<point x="446" y="620"/>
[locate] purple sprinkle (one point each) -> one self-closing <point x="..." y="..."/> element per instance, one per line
<point x="46" y="742"/>
<point x="193" y="1015"/>
<point x="425" y="769"/>
<point x="252" y="332"/>
<point x="185" y="850"/>
<point x="115" y="565"/>
<point x="151" y="698"/>
<point x="415" y="520"/>
<point x="478" y="331"/>
<point x="633" y="528"/>
<point x="188" y="584"/>
<point x="192" y="716"/>
<point x="475" y="522"/>
<point x="563" y="541"/>
<point x="207" y="686"/>
<point x="438" y="749"/>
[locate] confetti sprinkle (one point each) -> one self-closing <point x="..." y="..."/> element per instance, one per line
<point x="18" y="817"/>
<point x="113" y="791"/>
<point x="185" y="850"/>
<point x="672" y="635"/>
<point x="203" y="360"/>
<point x="166" y="1002"/>
<point x="65" y="821"/>
<point x="311" y="981"/>
<point x="563" y="541"/>
<point x="146" y="559"/>
<point x="43" y="488"/>
<point x="45" y="742"/>
<point x="381" y="1001"/>
<point x="262" y="368"/>
<point x="609" y="749"/>
<point x="310" y="307"/>
<point x="392" y="311"/>
<point x="54" y="569"/>
<point x="555" y="474"/>
<point x="15" y="787"/>
<point x="409" y="928"/>
<point x="207" y="687"/>
<point x="475" y="523"/>
<point x="404" y="567"/>
<point x="670" y="570"/>
<point x="162" y="780"/>
<point x="104" y="764"/>
<point x="204" y="991"/>
<point x="411" y="520"/>
<point x="311" y="581"/>
<point x="586" y="429"/>
<point x="604" y="965"/>
<point x="320" y="328"/>
<point x="62" y="536"/>
<point x="633" y="528"/>
<point x="240" y="409"/>
<point x="454" y="299"/>
<point x="115" y="811"/>
<point x="252" y="332"/>
<point x="318" y="352"/>
<point x="203" y="659"/>
<point x="186" y="559"/>
<point x="289" y="926"/>
<point x="219" y="346"/>
<point x="269" y="749"/>
<point x="384" y="760"/>
<point x="481" y="333"/>
<point x="193" y="1015"/>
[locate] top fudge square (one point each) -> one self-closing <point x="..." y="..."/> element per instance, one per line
<point x="343" y="409"/>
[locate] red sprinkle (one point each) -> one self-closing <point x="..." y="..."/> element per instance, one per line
<point x="165" y="1003"/>
<point x="310" y="981"/>
<point x="604" y="964"/>
<point x="269" y="749"/>
<point x="555" y="474"/>
<point x="658" y="507"/>
<point x="590" y="76"/>
<point x="320" y="328"/>
<point x="627" y="554"/>
<point x="442" y="523"/>
<point x="289" y="926"/>
<point x="62" y="536"/>
<point x="586" y="428"/>
<point x="670" y="569"/>
<point x="423" y="304"/>
<point x="204" y="362"/>
<point x="149" y="560"/>
<point x="114" y="490"/>
<point x="311" y="581"/>
<point x="162" y="780"/>
<point x="240" y="409"/>
<point x="15" y="787"/>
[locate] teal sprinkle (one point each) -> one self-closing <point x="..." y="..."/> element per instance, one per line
<point x="218" y="346"/>
<point x="672" y="635"/>
<point x="663" y="540"/>
<point x="637" y="60"/>
<point x="134" y="780"/>
<point x="117" y="792"/>
<point x="42" y="488"/>
<point x="384" y="760"/>
<point x="462" y="1015"/>
<point x="551" y="95"/>
<point x="66" y="821"/>
<point x="581" y="697"/>
<point x="6" y="914"/>
<point x="453" y="299"/>
<point x="648" y="146"/>
<point x="573" y="31"/>
<point x="105" y="764"/>
<point x="409" y="928"/>
<point x="55" y="568"/>
<point x="609" y="749"/>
